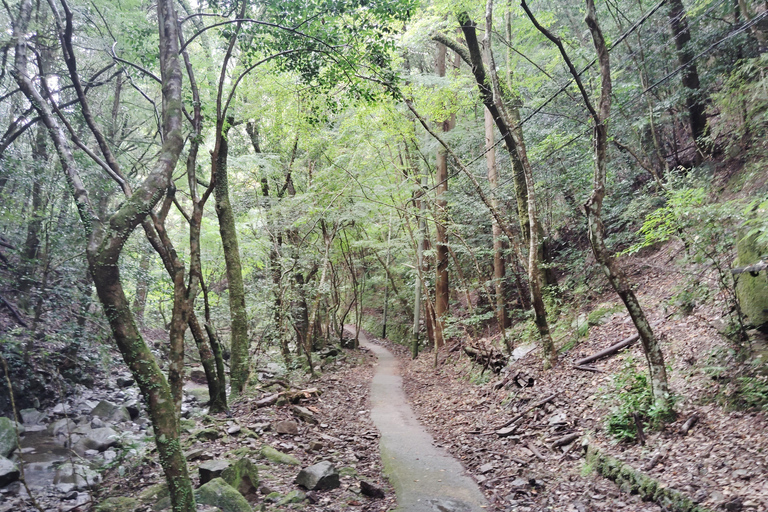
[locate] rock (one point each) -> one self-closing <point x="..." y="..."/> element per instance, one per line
<point x="734" y="505"/>
<point x="81" y="476"/>
<point x="315" y="446"/>
<point x="319" y="476"/>
<point x="8" y="472"/>
<point x="157" y="497"/>
<point x="8" y="439"/>
<point x="294" y="496"/>
<point x="125" y="382"/>
<point x="32" y="416"/>
<point x="304" y="414"/>
<point x="212" y="469"/>
<point x="287" y="427"/>
<point x="62" y="427"/>
<point x="208" y="434"/>
<point x="485" y="468"/>
<point x="133" y="409"/>
<point x="278" y="457"/>
<point x="217" y="493"/>
<point x="97" y="423"/>
<point x="233" y="430"/>
<point x="197" y="375"/>
<point x="118" y="504"/>
<point x="60" y="410"/>
<point x="111" y="412"/>
<point x="242" y="475"/>
<point x="98" y="439"/>
<point x="370" y="490"/>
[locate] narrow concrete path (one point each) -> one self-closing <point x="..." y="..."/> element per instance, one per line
<point x="426" y="478"/>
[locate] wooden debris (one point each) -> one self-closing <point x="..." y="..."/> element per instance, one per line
<point x="608" y="351"/>
<point x="588" y="369"/>
<point x="292" y="396"/>
<point x="529" y="409"/>
<point x="565" y="440"/>
<point x="487" y="355"/>
<point x="689" y="423"/>
<point x="639" y="427"/>
<point x="506" y="431"/>
<point x="536" y="452"/>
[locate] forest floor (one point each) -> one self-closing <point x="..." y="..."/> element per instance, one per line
<point x="721" y="463"/>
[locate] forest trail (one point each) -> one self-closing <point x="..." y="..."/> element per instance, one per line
<point x="425" y="478"/>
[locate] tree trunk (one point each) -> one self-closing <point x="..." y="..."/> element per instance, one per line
<point x="239" y="343"/>
<point x="419" y="269"/>
<point x="142" y="288"/>
<point x="594" y="205"/>
<point x="105" y="240"/>
<point x="442" y="291"/>
<point x="517" y="154"/>
<point x="499" y="271"/>
<point x="695" y="99"/>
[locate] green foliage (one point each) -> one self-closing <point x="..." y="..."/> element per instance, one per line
<point x="633" y="397"/>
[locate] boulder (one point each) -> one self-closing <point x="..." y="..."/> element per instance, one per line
<point x="32" y="416"/>
<point x="157" y="497"/>
<point x="197" y="375"/>
<point x="294" y="496"/>
<point x="242" y="475"/>
<point x="8" y="439"/>
<point x="218" y="493"/>
<point x="111" y="412"/>
<point x="62" y="427"/>
<point x="8" y="472"/>
<point x="304" y="414"/>
<point x="133" y="409"/>
<point x="212" y="469"/>
<point x="118" y="504"/>
<point x="370" y="490"/>
<point x="278" y="457"/>
<point x="319" y="476"/>
<point x="98" y="439"/>
<point x="125" y="382"/>
<point x="752" y="290"/>
<point x="81" y="476"/>
<point x="287" y="427"/>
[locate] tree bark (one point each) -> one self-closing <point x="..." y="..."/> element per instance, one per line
<point x="239" y="343"/>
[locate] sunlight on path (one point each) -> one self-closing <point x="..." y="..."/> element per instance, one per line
<point x="426" y="478"/>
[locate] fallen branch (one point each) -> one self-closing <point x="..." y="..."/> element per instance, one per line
<point x="527" y="410"/>
<point x="752" y="269"/>
<point x="289" y="396"/>
<point x="13" y="311"/>
<point x="609" y="351"/>
<point x="535" y="451"/>
<point x="565" y="440"/>
<point x="690" y="422"/>
<point x="588" y="369"/>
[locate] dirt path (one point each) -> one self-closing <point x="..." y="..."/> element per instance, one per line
<point x="426" y="478"/>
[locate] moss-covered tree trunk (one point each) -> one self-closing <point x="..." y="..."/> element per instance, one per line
<point x="442" y="291"/>
<point x="240" y="363"/>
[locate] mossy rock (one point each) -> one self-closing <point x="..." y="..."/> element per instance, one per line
<point x="201" y="394"/>
<point x="242" y="475"/>
<point x="278" y="457"/>
<point x="158" y="497"/>
<point x="294" y="496"/>
<point x="348" y="471"/>
<point x="752" y="291"/>
<point x="218" y="493"/>
<point x="207" y="434"/>
<point x="118" y="504"/>
<point x="8" y="439"/>
<point x="187" y="425"/>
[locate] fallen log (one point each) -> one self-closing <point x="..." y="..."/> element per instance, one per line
<point x="588" y="369"/>
<point x="690" y="422"/>
<point x="608" y="351"/>
<point x="527" y="410"/>
<point x="13" y="311"/>
<point x="288" y="396"/>
<point x="488" y="356"/>
<point x="565" y="440"/>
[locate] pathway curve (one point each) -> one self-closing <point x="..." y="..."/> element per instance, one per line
<point x="426" y="478"/>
